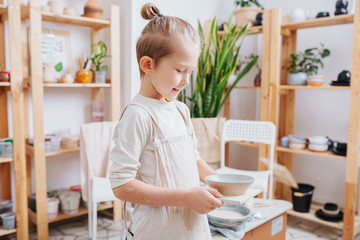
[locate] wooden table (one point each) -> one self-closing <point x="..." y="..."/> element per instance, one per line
<point x="272" y="227"/>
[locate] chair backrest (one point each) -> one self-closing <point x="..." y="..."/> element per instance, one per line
<point x="250" y="131"/>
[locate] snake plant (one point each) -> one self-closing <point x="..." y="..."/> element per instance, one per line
<point x="218" y="60"/>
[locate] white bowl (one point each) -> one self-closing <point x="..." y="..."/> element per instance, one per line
<point x="229" y="215"/>
<point x="230" y="184"/>
<point x="294" y="145"/>
<point x="319" y="140"/>
<point x="318" y="147"/>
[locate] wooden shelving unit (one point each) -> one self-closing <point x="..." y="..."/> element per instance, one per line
<point x="61" y="216"/>
<point x="271" y="33"/>
<point x="11" y="13"/>
<point x="282" y="115"/>
<point x="34" y="82"/>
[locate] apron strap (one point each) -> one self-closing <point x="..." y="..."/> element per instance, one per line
<point x="124" y="218"/>
<point x="186" y="120"/>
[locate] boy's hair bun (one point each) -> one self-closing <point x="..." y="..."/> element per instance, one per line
<point x="149" y="11"/>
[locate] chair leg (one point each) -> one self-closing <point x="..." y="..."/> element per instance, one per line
<point x="90" y="218"/>
<point x="94" y="220"/>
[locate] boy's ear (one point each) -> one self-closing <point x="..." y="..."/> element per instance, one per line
<point x="147" y="64"/>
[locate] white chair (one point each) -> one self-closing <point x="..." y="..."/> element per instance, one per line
<point x="95" y="145"/>
<point x="99" y="191"/>
<point x="256" y="132"/>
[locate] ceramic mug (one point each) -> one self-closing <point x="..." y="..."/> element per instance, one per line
<point x="298" y="14"/>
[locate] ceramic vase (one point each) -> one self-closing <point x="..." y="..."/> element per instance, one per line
<point x="93" y="9"/>
<point x="246" y="15"/>
<point x="299" y="78"/>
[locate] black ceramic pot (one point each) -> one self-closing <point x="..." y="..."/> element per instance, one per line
<point x="322" y="14"/>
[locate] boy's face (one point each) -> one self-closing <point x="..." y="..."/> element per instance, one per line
<point x="172" y="72"/>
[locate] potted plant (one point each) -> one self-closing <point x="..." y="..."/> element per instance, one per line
<point x="218" y="60"/>
<point x="247" y="12"/>
<point x="304" y="66"/>
<point x="98" y="51"/>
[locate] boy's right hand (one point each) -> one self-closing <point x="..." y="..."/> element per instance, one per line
<point x="203" y="199"/>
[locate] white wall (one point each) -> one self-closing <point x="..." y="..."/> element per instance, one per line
<point x="317" y="112"/>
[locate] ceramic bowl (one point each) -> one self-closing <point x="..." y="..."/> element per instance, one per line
<point x="229" y="215"/>
<point x="285" y="141"/>
<point x="319" y="140"/>
<point x="318" y="148"/>
<point x="296" y="139"/>
<point x="315" y="83"/>
<point x="294" y="145"/>
<point x="230" y="184"/>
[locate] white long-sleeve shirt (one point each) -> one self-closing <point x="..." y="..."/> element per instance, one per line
<point x="133" y="155"/>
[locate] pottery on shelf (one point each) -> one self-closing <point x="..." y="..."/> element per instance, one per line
<point x="298" y="14"/>
<point x="299" y="78"/>
<point x="93" y="9"/>
<point x="56" y="7"/>
<point x="49" y="72"/>
<point x="83" y="76"/>
<point x="341" y="7"/>
<point x="70" y="11"/>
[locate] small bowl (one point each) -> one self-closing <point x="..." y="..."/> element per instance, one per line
<point x="230" y="184"/>
<point x="295" y="145"/>
<point x="315" y="83"/>
<point x="319" y="140"/>
<point x="285" y="141"/>
<point x="318" y="147"/>
<point x="229" y="215"/>
<point x="296" y="139"/>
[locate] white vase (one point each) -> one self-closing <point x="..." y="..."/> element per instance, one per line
<point x="299" y="78"/>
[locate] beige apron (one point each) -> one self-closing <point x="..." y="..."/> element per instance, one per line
<point x="176" y="168"/>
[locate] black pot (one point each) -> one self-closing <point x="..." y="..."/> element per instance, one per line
<point x="301" y="197"/>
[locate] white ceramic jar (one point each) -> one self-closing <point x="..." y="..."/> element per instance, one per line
<point x="49" y="72"/>
<point x="298" y="14"/>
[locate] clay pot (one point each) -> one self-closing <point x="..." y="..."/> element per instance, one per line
<point x="49" y="73"/>
<point x="93" y="9"/>
<point x="83" y="76"/>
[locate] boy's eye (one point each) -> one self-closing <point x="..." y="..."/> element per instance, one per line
<point x="179" y="71"/>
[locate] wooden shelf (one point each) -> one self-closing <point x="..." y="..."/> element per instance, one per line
<point x="77" y="85"/>
<point x="288" y="87"/>
<point x="4" y="84"/>
<point x="320" y="22"/>
<point x="4" y="232"/>
<point x="251" y="30"/>
<point x="30" y="151"/>
<point x="327" y="154"/>
<point x="61" y="216"/>
<point x="5" y="159"/>
<point x="71" y="20"/>
<point x="246" y="87"/>
<point x="310" y="216"/>
<point x="3" y="10"/>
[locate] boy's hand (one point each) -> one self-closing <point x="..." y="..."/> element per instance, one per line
<point x="203" y="199"/>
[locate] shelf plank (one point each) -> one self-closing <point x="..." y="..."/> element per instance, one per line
<point x="3" y="10"/>
<point x="310" y="216"/>
<point x="72" y="20"/>
<point x="30" y="151"/>
<point x="288" y="87"/>
<point x="320" y="22"/>
<point x="4" y="84"/>
<point x="245" y="87"/>
<point x="61" y="216"/>
<point x="77" y="85"/>
<point x="5" y="159"/>
<point x="327" y="154"/>
<point x="4" y="232"/>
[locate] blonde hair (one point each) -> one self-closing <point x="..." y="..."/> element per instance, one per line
<point x="157" y="38"/>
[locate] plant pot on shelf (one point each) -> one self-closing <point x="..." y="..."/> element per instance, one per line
<point x="301" y="197"/>
<point x="299" y="78"/>
<point x="100" y="76"/>
<point x="246" y="15"/>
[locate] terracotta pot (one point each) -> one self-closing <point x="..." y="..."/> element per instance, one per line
<point x="83" y="76"/>
<point x="246" y="15"/>
<point x="93" y="9"/>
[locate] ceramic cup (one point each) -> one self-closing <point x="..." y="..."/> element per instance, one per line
<point x="322" y="14"/>
<point x="56" y="7"/>
<point x="8" y="220"/>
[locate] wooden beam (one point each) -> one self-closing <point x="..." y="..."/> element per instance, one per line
<point x="353" y="133"/>
<point x="37" y="101"/>
<point x="17" y="103"/>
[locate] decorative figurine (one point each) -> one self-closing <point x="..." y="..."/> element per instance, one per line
<point x="259" y="19"/>
<point x="341" y="7"/>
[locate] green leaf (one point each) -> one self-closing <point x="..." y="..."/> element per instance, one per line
<point x="59" y="67"/>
